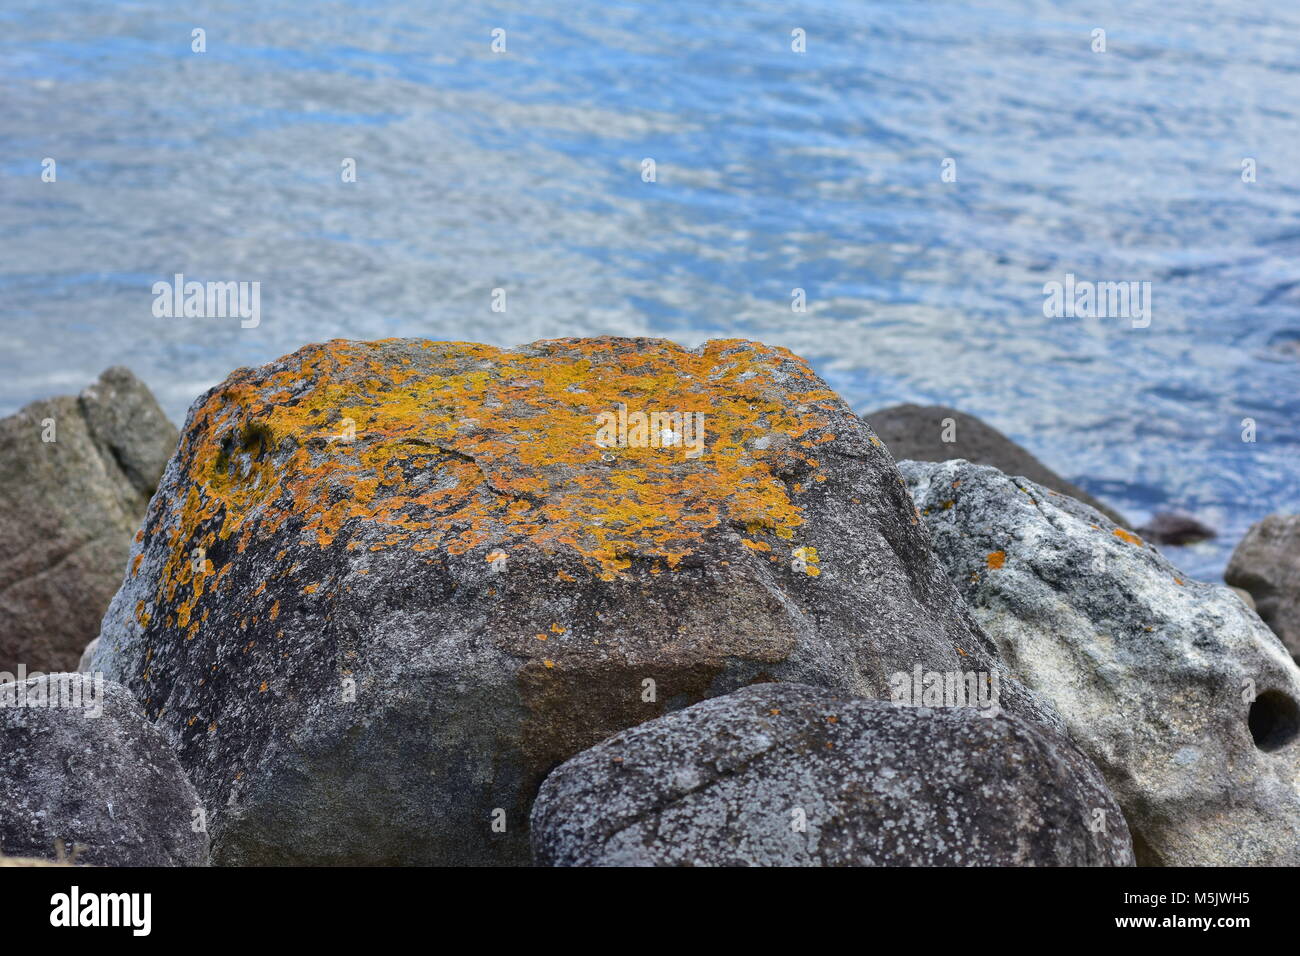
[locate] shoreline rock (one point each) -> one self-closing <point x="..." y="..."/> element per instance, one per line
<point x="917" y="433"/>
<point x="1179" y="692"/>
<point x="1266" y="565"/>
<point x="790" y="775"/>
<point x="1176" y="529"/>
<point x="98" y="789"/>
<point x="68" y="509"/>
<point x="385" y="588"/>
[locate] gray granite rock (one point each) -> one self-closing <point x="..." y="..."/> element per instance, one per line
<point x="791" y="775"/>
<point x="1266" y="564"/>
<point x="1176" y="689"/>
<point x="68" y="510"/>
<point x="920" y="433"/>
<point x="385" y="588"/>
<point x="90" y="779"/>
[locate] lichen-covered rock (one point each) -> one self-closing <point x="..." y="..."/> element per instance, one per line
<point x="68" y="508"/>
<point x="1266" y="564"/>
<point x="386" y="587"/>
<point x="791" y="775"/>
<point x="938" y="433"/>
<point x="85" y="778"/>
<point x="1179" y="692"/>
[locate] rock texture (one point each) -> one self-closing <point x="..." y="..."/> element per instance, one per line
<point x="104" y="790"/>
<point x="386" y="587"/>
<point x="791" y="775"/>
<point x="917" y="432"/>
<point x="1180" y="693"/>
<point x="1266" y="564"/>
<point x="68" y="509"/>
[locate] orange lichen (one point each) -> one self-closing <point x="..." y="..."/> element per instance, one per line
<point x="502" y="444"/>
<point x="1128" y="536"/>
<point x="996" y="559"/>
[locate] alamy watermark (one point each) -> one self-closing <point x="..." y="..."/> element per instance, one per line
<point x="921" y="688"/>
<point x="179" y="299"/>
<point x="1128" y="299"/>
<point x="655" y="429"/>
<point x="39" y="691"/>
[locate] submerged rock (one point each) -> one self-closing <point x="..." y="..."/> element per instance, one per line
<point x="1180" y="693"/>
<point x="1169" y="527"/>
<point x="937" y="433"/>
<point x="386" y="587"/>
<point x="90" y="780"/>
<point x="791" y="775"/>
<point x="1266" y="564"/>
<point x="76" y="474"/>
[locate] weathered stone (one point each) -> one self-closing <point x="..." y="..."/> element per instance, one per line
<point x="1178" y="691"/>
<point x="791" y="775"/>
<point x="90" y="780"/>
<point x="918" y="433"/>
<point x="1266" y="564"/>
<point x="68" y="509"/>
<point x="386" y="587"/>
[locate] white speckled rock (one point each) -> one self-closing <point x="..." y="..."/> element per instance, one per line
<point x="1180" y="693"/>
<point x="791" y="775"/>
<point x="106" y="787"/>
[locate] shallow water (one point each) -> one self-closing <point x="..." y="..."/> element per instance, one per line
<point x="775" y="170"/>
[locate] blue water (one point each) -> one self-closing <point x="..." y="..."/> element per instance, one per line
<point x="774" y="170"/>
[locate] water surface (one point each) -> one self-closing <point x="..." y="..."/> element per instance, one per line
<point x="774" y="171"/>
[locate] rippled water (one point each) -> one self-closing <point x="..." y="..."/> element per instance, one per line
<point x="774" y="170"/>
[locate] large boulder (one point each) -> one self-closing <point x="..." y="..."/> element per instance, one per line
<point x="84" y="777"/>
<point x="384" y="588"/>
<point x="68" y="509"/>
<point x="938" y="433"/>
<point x="791" y="775"/>
<point x="1180" y="693"/>
<point x="1266" y="564"/>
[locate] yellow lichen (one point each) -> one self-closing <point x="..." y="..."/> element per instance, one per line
<point x="340" y="431"/>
